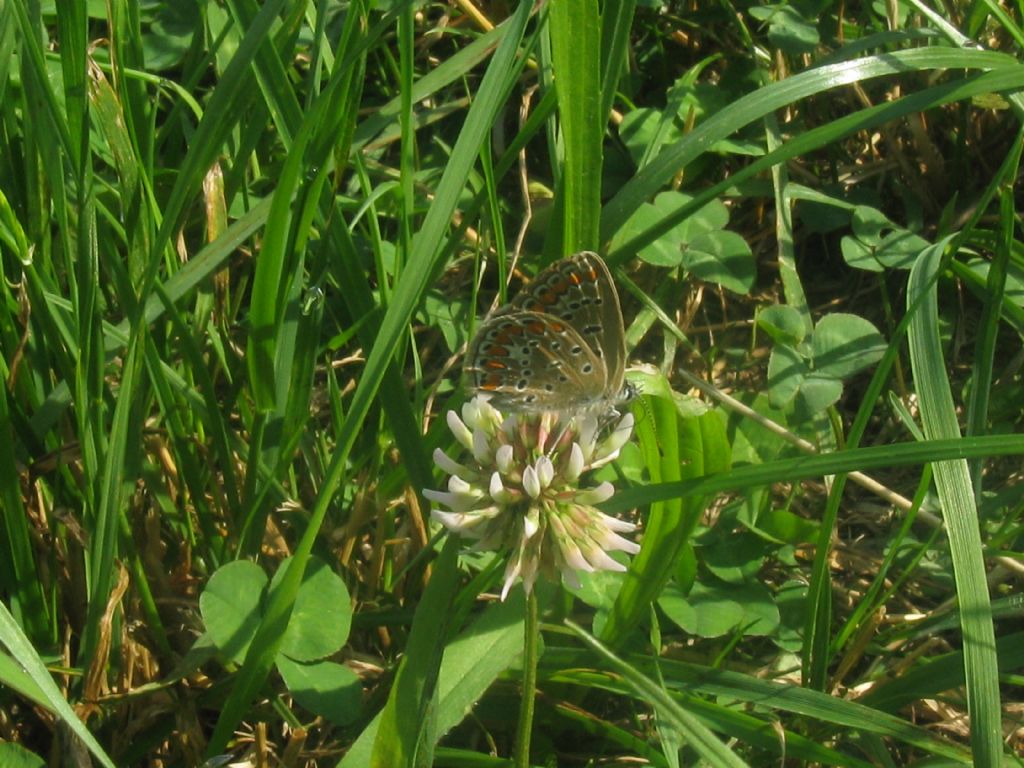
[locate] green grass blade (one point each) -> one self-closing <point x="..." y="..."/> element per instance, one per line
<point x="616" y="25"/>
<point x="575" y="46"/>
<point x="792" y="286"/>
<point x="73" y="27"/>
<point x="956" y="495"/>
<point x="816" y="466"/>
<point x="977" y="410"/>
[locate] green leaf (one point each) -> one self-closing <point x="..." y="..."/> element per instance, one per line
<point x="714" y="609"/>
<point x="598" y="589"/>
<point x="673" y="448"/>
<point x="787" y="28"/>
<point x="751" y="443"/>
<point x="817" y="392"/>
<point x="231" y="606"/>
<point x="843" y="345"/>
<point x="472" y="661"/>
<point x="783" y="525"/>
<point x="331" y="690"/>
<point x="782" y="323"/>
<point x="723" y="258"/>
<point x="791" y="600"/>
<point x="877" y="243"/>
<point x="642" y="126"/>
<point x="667" y="250"/>
<point x="787" y="372"/>
<point x="449" y="315"/>
<point x="16" y="756"/>
<point x="320" y="621"/>
<point x="734" y="558"/>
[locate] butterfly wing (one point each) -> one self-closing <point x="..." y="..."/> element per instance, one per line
<point x="534" y="361"/>
<point x="579" y="290"/>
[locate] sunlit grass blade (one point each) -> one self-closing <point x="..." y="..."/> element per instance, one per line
<point x="575" y="28"/>
<point x="807" y="467"/>
<point x="952" y="479"/>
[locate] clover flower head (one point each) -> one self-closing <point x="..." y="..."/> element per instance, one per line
<point x="519" y="491"/>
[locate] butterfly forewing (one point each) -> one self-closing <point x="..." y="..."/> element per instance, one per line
<point x="558" y="345"/>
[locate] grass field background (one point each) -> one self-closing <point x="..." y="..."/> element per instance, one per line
<point x="243" y="248"/>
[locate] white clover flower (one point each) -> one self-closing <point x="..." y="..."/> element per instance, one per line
<point x="519" y="491"/>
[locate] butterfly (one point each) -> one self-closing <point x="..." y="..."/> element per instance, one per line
<point x="559" y="345"/>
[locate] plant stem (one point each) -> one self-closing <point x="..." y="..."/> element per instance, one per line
<point x="531" y="636"/>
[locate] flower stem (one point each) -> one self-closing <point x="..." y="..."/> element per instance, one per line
<point x="530" y="644"/>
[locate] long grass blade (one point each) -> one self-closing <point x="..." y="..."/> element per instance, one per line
<point x="576" y="56"/>
<point x="952" y="479"/>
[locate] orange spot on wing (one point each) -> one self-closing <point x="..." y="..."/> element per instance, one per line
<point x="496" y="350"/>
<point x="503" y="339"/>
